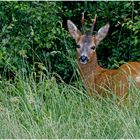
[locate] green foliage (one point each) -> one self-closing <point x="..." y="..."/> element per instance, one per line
<point x="45" y="109"/>
<point x="35" y="48"/>
<point x="33" y="35"/>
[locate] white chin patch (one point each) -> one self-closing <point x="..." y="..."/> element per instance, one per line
<point x="85" y="62"/>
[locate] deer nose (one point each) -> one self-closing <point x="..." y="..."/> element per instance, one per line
<point x="83" y="59"/>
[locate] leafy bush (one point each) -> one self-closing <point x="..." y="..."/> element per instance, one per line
<point x="34" y="35"/>
<point x="31" y="34"/>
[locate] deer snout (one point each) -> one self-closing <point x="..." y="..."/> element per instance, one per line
<point x="83" y="59"/>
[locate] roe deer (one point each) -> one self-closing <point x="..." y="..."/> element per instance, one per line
<point x="100" y="81"/>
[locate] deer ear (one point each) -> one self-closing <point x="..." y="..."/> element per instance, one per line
<point x="102" y="32"/>
<point x="75" y="33"/>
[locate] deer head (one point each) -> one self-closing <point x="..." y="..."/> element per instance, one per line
<point x="86" y="43"/>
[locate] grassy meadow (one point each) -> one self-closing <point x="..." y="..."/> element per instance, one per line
<point x="37" y="103"/>
<point x="46" y="108"/>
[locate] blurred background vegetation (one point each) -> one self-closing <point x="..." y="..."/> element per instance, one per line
<point x="34" y="35"/>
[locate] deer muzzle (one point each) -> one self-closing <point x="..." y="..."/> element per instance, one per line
<point x="83" y="59"/>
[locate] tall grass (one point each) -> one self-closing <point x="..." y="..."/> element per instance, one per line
<point x="50" y="109"/>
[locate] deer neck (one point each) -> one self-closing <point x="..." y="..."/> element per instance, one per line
<point x="90" y="70"/>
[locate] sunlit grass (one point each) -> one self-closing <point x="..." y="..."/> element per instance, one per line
<point x="51" y="109"/>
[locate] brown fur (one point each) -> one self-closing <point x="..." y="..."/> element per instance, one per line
<point x="100" y="81"/>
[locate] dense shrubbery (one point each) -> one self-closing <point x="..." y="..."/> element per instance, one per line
<point x="34" y="36"/>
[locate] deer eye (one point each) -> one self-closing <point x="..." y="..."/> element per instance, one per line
<point x="93" y="47"/>
<point x="77" y="46"/>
